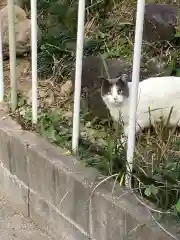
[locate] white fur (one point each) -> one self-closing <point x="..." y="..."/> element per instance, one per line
<point x="113" y="98"/>
<point x="156" y="97"/>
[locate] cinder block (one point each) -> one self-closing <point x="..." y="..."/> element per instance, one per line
<point x="57" y="183"/>
<point x="122" y="217"/>
<point x="108" y="221"/>
<point x="7" y="126"/>
<point x="52" y="221"/>
<point x="15" y="190"/>
<point x="146" y="232"/>
<point x="5" y="149"/>
<point x="18" y="156"/>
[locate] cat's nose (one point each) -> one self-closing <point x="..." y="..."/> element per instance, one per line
<point x="115" y="98"/>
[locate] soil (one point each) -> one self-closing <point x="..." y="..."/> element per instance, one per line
<point x="50" y="93"/>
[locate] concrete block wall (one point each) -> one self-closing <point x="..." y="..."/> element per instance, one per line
<point x="61" y="195"/>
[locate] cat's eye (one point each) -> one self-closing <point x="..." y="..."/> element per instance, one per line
<point x="120" y="91"/>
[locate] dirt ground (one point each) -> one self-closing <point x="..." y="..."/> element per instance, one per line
<point x="50" y="93"/>
<point x="14" y="226"/>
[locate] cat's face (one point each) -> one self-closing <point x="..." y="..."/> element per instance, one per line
<point x="114" y="91"/>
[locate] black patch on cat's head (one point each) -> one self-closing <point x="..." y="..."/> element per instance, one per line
<point x="121" y="82"/>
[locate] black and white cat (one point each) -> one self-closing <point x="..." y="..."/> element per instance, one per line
<point x="157" y="97"/>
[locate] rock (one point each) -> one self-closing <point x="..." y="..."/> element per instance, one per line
<point x="3" y="3"/>
<point x="66" y="89"/>
<point x="20" y="14"/>
<point x="42" y="93"/>
<point x="45" y="97"/>
<point x="22" y="31"/>
<point x="23" y="37"/>
<point x="20" y="3"/>
<point x="160" y="22"/>
<point x="29" y="98"/>
<point x="68" y="115"/>
<point x="49" y="98"/>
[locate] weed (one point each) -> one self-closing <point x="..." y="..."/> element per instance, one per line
<point x="157" y="165"/>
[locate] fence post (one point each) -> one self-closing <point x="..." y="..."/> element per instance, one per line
<point x="34" y="59"/>
<point x="1" y="66"/>
<point x="12" y="54"/>
<point x="134" y="88"/>
<point x="78" y="75"/>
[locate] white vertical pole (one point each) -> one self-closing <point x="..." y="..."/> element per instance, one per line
<point x="78" y="74"/>
<point x="1" y="66"/>
<point x="12" y="54"/>
<point x="34" y="58"/>
<point x="134" y="87"/>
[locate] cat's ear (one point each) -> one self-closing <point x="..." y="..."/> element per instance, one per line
<point x="124" y="78"/>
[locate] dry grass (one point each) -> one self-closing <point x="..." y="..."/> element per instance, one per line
<point x="157" y="163"/>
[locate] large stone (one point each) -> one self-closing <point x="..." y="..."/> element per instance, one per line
<point x="20" y="3"/>
<point x="160" y="22"/>
<point x="48" y="219"/>
<point x="64" y="192"/>
<point x="22" y="31"/>
<point x="3" y="3"/>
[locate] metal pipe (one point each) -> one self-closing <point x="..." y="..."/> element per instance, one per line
<point x="78" y="75"/>
<point x="12" y="54"/>
<point x="34" y="59"/>
<point x="134" y="89"/>
<point x="1" y="66"/>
